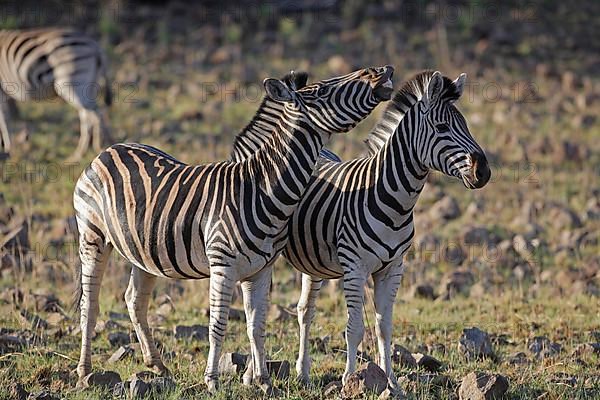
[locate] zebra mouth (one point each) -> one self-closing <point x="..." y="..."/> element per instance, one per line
<point x="384" y="91"/>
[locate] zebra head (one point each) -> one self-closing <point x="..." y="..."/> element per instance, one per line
<point x="335" y="105"/>
<point x="450" y="147"/>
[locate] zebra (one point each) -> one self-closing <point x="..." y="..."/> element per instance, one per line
<point x="355" y="220"/>
<point x="220" y="221"/>
<point x="40" y="64"/>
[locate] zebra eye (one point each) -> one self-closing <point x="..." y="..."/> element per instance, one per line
<point x="321" y="91"/>
<point x="442" y="128"/>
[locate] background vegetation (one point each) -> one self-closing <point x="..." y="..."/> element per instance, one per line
<point x="518" y="259"/>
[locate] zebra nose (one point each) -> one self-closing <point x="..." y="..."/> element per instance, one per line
<point x="481" y="169"/>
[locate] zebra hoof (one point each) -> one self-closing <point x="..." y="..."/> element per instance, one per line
<point x="303" y="380"/>
<point x="212" y="384"/>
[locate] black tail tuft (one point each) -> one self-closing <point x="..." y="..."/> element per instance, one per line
<point x="108" y="95"/>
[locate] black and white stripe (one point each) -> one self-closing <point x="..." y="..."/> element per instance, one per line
<point x="225" y="221"/>
<point x="356" y="217"/>
<point x="40" y="64"/>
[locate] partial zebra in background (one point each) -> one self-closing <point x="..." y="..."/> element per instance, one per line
<point x="40" y="64"/>
<point x="355" y="220"/>
<point x="224" y="221"/>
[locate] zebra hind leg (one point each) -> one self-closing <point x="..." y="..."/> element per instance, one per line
<point x="306" y="313"/>
<point x="386" y="286"/>
<point x="354" y="292"/>
<point x="100" y="130"/>
<point x="4" y="132"/>
<point x="256" y="294"/>
<point x="84" y="136"/>
<point x="94" y="254"/>
<point x="137" y="297"/>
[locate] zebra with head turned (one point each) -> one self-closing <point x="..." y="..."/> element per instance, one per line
<point x="223" y="221"/>
<point x="40" y="64"/>
<point x="355" y="220"/>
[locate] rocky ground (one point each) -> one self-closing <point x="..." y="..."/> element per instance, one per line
<point x="501" y="293"/>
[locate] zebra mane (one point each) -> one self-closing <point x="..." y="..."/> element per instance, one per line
<point x="407" y="96"/>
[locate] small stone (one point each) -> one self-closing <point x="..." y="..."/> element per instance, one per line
<point x="17" y="392"/>
<point x="368" y="379"/>
<point x="55" y="318"/>
<point x="332" y="389"/>
<point x="118" y="316"/>
<point x="475" y="344"/>
<point x="43" y="395"/>
<point x="165" y="309"/>
<point x="232" y="363"/>
<point x="138" y="388"/>
<point x="481" y="386"/>
<point x="403" y="357"/>
<point x="519" y="358"/>
<point x="193" y="332"/>
<point x="279" y="369"/>
<point x="119" y="339"/>
<point x="162" y="385"/>
<point x="542" y="347"/>
<point x="389" y="394"/>
<point x="104" y="379"/>
<point x="426" y="362"/>
<point x="121" y="353"/>
<point x="423" y="291"/>
<point x="445" y="209"/>
<point x="455" y="282"/>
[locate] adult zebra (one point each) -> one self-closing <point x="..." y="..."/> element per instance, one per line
<point x="221" y="221"/>
<point x="355" y="220"/>
<point x="40" y="64"/>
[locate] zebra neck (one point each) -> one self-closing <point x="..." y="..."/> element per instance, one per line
<point x="401" y="175"/>
<point x="282" y="166"/>
<point x="258" y="131"/>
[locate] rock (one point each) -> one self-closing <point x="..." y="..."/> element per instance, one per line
<point x="280" y="314"/>
<point x="321" y="344"/>
<point x="138" y="388"/>
<point x="121" y="353"/>
<point x="332" y="389"/>
<point x="104" y="379"/>
<point x="475" y="344"/>
<point x="232" y="363"/>
<point x="455" y="282"/>
<point x="453" y="254"/>
<point x="55" y="318"/>
<point x="403" y="357"/>
<point x="481" y="386"/>
<point x="118" y="316"/>
<point x="542" y="347"/>
<point x="162" y="385"/>
<point x="16" y="391"/>
<point x="46" y="302"/>
<point x="193" y="332"/>
<point x="121" y="389"/>
<point x="43" y="395"/>
<point x="519" y="358"/>
<point x="119" y="339"/>
<point x="11" y="343"/>
<point x="427" y="362"/>
<point x="586" y="349"/>
<point x="165" y="309"/>
<point x="279" y="369"/>
<point x="445" y="209"/>
<point x="423" y="291"/>
<point x="478" y="235"/>
<point x="368" y="379"/>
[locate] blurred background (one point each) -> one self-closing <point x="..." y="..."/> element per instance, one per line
<point x="519" y="258"/>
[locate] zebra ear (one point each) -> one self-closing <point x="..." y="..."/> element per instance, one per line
<point x="434" y="87"/>
<point x="460" y="83"/>
<point x="277" y="90"/>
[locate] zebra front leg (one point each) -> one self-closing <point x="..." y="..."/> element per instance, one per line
<point x="94" y="254"/>
<point x="137" y="297"/>
<point x="4" y="133"/>
<point x="354" y="292"/>
<point x="306" y="313"/>
<point x="221" y="291"/>
<point x="386" y="286"/>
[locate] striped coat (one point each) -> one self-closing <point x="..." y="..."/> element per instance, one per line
<point x="40" y="64"/>
<point x="355" y="219"/>
<point x="225" y="221"/>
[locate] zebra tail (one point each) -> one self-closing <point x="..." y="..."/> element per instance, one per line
<point x="108" y="94"/>
<point x="78" y="293"/>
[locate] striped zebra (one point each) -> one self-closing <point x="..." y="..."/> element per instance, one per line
<point x="40" y="64"/>
<point x="221" y="221"/>
<point x="355" y="220"/>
